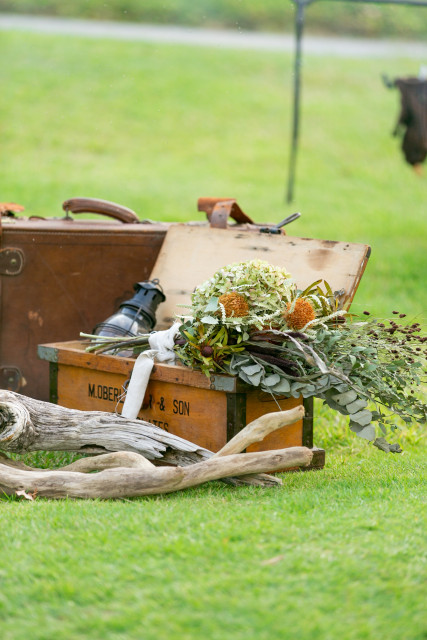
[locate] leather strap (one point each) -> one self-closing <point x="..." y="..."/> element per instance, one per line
<point x="218" y="210"/>
<point x="103" y="207"/>
<point x="9" y="209"/>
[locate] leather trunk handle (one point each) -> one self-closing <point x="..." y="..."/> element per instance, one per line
<point x="103" y="207"/>
<point x="219" y="209"/>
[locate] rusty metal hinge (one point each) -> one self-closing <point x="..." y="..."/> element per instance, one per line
<point x="11" y="261"/>
<point x="11" y="378"/>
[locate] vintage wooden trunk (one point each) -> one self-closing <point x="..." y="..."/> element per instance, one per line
<point x="184" y="402"/>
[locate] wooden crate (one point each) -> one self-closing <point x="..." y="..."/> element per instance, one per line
<point x="207" y="411"/>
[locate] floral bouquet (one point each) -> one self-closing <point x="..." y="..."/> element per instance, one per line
<point x="251" y="320"/>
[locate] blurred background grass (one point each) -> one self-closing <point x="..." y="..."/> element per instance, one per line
<point x="263" y="15"/>
<point x="154" y="127"/>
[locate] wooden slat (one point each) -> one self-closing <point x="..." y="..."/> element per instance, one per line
<point x="73" y="354"/>
<point x="257" y="405"/>
<point x="191" y="255"/>
<point x="198" y="415"/>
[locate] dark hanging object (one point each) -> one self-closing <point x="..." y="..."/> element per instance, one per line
<point x="137" y="315"/>
<point x="412" y="120"/>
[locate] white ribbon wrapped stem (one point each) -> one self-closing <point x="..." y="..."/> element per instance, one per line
<point x="162" y="344"/>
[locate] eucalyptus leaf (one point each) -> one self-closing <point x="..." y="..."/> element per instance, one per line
<point x="308" y="390"/>
<point x="252" y="369"/>
<point x="341" y="387"/>
<point x="212" y="305"/>
<point x="271" y="380"/>
<point x="296" y="386"/>
<point x="255" y="378"/>
<point x="282" y="387"/>
<point x="343" y="399"/>
<point x="363" y="417"/>
<point x="331" y="403"/>
<point x="236" y="363"/>
<point x="357" y="405"/>
<point x="367" y="432"/>
<point x="209" y="320"/>
<point x="244" y="377"/>
<point x="382" y="444"/>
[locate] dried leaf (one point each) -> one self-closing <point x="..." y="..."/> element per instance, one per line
<point x="27" y="496"/>
<point x="382" y="444"/>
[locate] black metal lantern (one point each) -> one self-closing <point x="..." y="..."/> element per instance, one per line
<point x="135" y="316"/>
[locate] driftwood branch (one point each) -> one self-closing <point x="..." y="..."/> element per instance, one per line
<point x="27" y="425"/>
<point x="125" y="482"/>
<point x="260" y="428"/>
<point x="126" y="459"/>
<point x="104" y="461"/>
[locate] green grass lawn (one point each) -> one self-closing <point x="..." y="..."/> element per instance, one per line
<point x="154" y="127"/>
<point x="338" y="553"/>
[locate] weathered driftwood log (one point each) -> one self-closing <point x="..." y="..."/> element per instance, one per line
<point x="124" y="482"/>
<point x="27" y="425"/>
<point x="126" y="473"/>
<point x="32" y="425"/>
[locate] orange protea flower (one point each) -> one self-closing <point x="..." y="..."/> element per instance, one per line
<point x="234" y="304"/>
<point x="303" y="312"/>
